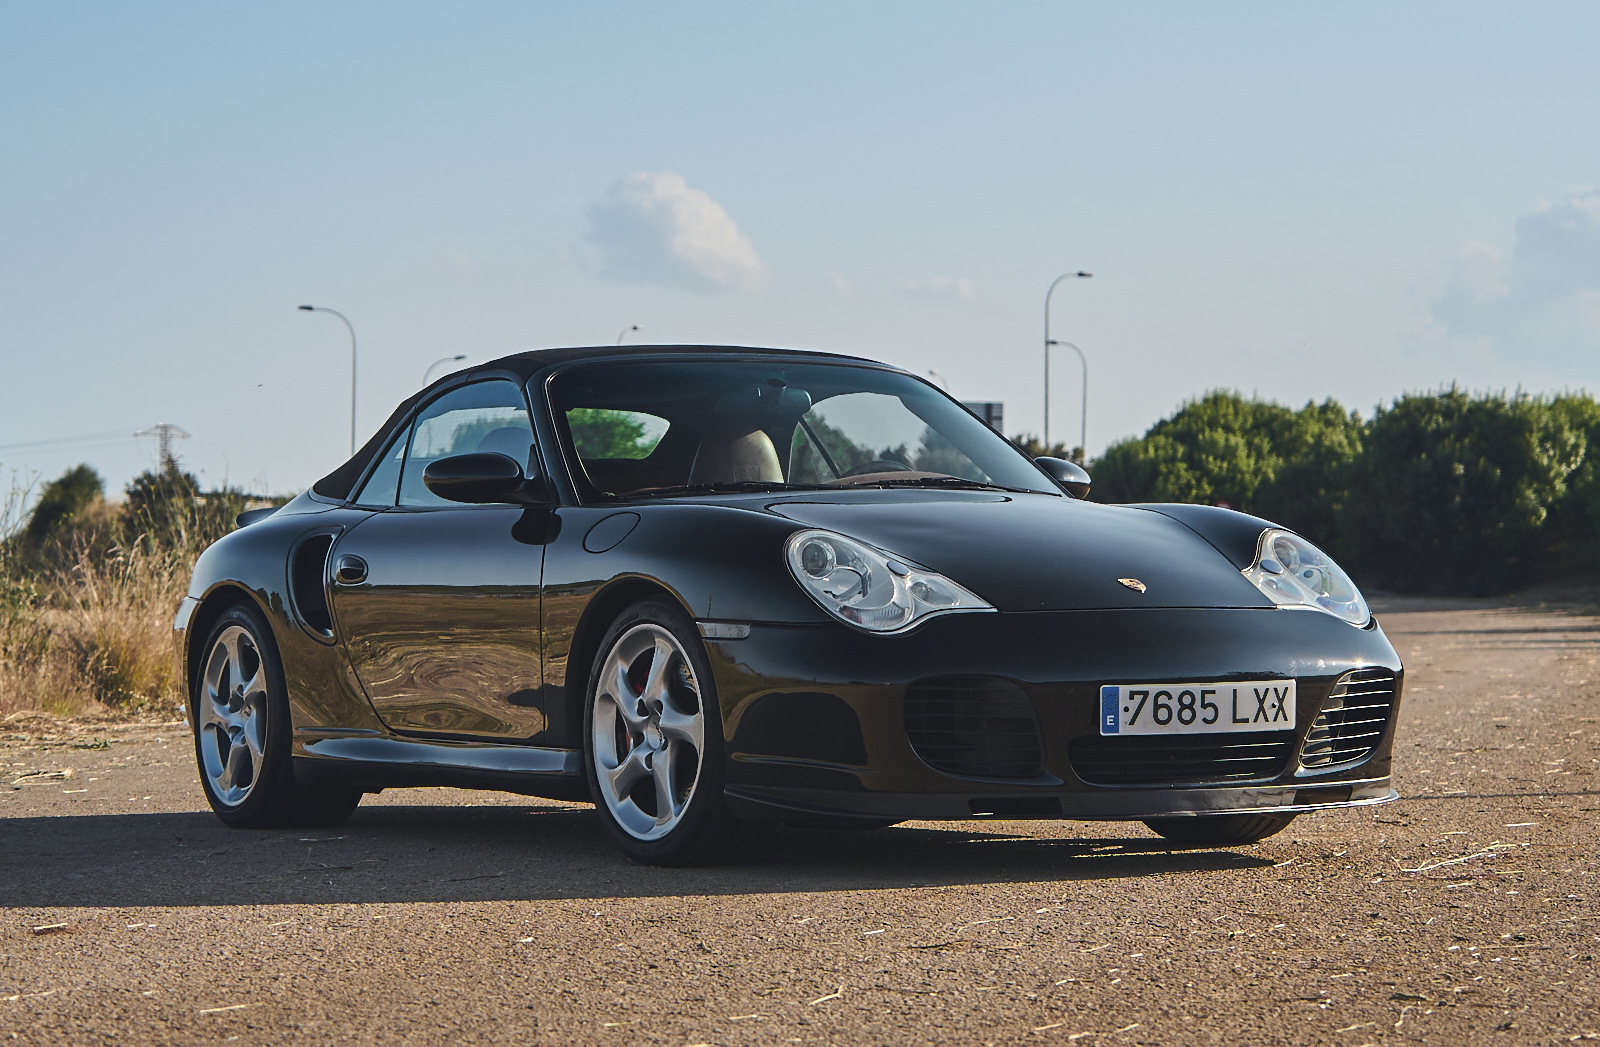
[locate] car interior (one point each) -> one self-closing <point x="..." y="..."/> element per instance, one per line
<point x="742" y="423"/>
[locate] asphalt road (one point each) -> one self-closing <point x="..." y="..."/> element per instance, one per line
<point x="1466" y="913"/>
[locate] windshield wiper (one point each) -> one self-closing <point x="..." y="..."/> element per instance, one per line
<point x="724" y="486"/>
<point x="944" y="481"/>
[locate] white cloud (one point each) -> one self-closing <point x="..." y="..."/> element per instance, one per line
<point x="940" y="288"/>
<point x="1543" y="298"/>
<point x="654" y="228"/>
<point x="836" y="284"/>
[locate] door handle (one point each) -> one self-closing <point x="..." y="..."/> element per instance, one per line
<point x="350" y="570"/>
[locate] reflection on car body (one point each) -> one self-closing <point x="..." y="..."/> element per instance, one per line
<point x="716" y="589"/>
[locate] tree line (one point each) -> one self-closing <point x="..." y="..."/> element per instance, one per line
<point x="1446" y="492"/>
<point x="161" y="509"/>
<point x="1443" y="492"/>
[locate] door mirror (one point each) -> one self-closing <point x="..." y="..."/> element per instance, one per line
<point x="1072" y="477"/>
<point x="482" y="478"/>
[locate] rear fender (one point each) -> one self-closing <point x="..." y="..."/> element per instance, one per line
<point x="251" y="566"/>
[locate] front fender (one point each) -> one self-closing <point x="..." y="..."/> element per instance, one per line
<point x="720" y="562"/>
<point x="1233" y="534"/>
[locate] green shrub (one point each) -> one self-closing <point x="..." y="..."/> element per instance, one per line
<point x="1451" y="492"/>
<point x="63" y="500"/>
<point x="1292" y="467"/>
<point x="1573" y="529"/>
<point x="1309" y="491"/>
<point x="1219" y="448"/>
<point x="167" y="508"/>
<point x="1441" y="492"/>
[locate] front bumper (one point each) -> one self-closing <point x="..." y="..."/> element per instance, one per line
<point x="816" y="723"/>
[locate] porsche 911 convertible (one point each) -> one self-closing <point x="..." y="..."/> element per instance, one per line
<point x="712" y="589"/>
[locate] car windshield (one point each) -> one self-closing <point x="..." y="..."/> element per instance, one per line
<point x="652" y="428"/>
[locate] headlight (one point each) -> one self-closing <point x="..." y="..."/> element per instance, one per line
<point x="1295" y="573"/>
<point x="863" y="587"/>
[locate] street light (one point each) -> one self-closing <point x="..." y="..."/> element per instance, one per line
<point x="1083" y="434"/>
<point x="441" y="360"/>
<point x="352" y="330"/>
<point x="625" y="331"/>
<point x="1047" y="344"/>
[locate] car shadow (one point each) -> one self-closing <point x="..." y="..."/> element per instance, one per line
<point x="506" y="853"/>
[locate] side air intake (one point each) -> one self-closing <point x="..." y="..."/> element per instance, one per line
<point x="307" y="583"/>
<point x="1353" y="719"/>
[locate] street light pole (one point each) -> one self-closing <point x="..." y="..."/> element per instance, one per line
<point x="1047" y="343"/>
<point x="625" y="331"/>
<point x="1083" y="433"/>
<point x="441" y="360"/>
<point x="352" y="330"/>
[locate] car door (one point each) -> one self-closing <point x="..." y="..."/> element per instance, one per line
<point x="437" y="602"/>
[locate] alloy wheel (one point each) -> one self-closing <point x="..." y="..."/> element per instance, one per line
<point x="648" y="731"/>
<point x="232" y="716"/>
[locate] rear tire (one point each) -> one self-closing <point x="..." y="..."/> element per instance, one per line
<point x="1219" y="830"/>
<point x="240" y="711"/>
<point x="653" y="746"/>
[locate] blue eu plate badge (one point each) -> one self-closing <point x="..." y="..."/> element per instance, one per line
<point x="1109" y="721"/>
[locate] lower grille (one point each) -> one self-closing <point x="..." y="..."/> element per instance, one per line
<point x="1159" y="760"/>
<point x="1353" y="718"/>
<point x="974" y="726"/>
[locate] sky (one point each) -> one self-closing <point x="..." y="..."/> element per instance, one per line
<point x="1295" y="201"/>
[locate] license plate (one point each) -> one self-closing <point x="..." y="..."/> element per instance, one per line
<point x="1197" y="708"/>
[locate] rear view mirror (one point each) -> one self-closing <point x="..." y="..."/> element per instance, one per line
<point x="1072" y="477"/>
<point x="481" y="478"/>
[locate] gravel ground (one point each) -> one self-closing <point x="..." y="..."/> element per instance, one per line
<point x="1467" y="913"/>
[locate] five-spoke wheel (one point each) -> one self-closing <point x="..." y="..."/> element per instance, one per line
<point x="654" y="752"/>
<point x="239" y="709"/>
<point x="648" y="731"/>
<point x="233" y="716"/>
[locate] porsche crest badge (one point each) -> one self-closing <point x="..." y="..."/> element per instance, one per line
<point x="1133" y="583"/>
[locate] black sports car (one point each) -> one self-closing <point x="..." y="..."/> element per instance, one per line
<point x="710" y="589"/>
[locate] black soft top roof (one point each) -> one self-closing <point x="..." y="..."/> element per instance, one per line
<point x="339" y="483"/>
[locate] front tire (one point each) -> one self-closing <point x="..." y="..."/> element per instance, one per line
<point x="1219" y="830"/>
<point x="240" y="711"/>
<point x="653" y="751"/>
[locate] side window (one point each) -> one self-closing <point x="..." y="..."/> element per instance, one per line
<point x="380" y="486"/>
<point x="485" y="416"/>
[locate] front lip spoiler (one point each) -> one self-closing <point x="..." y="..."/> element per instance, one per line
<point x="1078" y="805"/>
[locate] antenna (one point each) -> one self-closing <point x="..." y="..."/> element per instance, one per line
<point x="165" y="433"/>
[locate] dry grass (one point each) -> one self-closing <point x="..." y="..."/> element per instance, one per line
<point x="94" y="635"/>
<point x="86" y="608"/>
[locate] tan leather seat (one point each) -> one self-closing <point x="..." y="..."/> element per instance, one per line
<point x="728" y="457"/>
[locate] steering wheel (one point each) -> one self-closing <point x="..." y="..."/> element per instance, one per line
<point x="879" y="465"/>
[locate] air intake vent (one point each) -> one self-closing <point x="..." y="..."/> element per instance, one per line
<point x="975" y="727"/>
<point x="1167" y="760"/>
<point x="307" y="572"/>
<point x="1353" y="718"/>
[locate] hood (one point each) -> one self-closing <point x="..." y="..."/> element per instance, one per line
<point x="1036" y="552"/>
